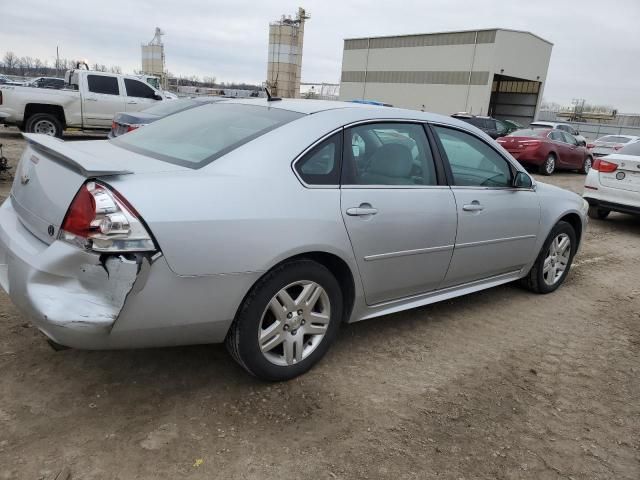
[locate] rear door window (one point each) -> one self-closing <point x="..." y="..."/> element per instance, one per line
<point x="556" y="135"/>
<point x="136" y="88"/>
<point x="103" y="84"/>
<point x="388" y="154"/>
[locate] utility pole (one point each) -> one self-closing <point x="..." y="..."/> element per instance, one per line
<point x="57" y="61"/>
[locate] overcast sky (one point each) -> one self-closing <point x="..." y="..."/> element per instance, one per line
<point x="595" y="53"/>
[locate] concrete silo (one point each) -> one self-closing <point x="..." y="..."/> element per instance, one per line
<point x="285" y="55"/>
<point x="153" y="56"/>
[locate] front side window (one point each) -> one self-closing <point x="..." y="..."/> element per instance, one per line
<point x="103" y="84"/>
<point x="388" y="154"/>
<point x="569" y="139"/>
<point x="197" y="136"/>
<point x="473" y="162"/>
<point x="138" y="89"/>
<point x="321" y="166"/>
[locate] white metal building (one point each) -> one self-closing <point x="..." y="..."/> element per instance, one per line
<point x="495" y="72"/>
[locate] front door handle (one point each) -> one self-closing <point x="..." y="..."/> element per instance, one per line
<point x="473" y="207"/>
<point x="91" y="99"/>
<point x="361" y="211"/>
<point x="132" y="103"/>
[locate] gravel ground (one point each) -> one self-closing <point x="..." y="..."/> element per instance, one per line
<point x="498" y="384"/>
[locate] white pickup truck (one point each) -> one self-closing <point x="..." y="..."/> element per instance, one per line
<point x="88" y="102"/>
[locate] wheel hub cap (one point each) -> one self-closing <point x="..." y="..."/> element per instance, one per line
<point x="294" y="323"/>
<point x="557" y="259"/>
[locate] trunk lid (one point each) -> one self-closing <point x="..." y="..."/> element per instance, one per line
<point x="626" y="177"/>
<point x="51" y="172"/>
<point x="518" y="144"/>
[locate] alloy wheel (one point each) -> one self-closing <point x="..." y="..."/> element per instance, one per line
<point x="557" y="259"/>
<point x="45" y="127"/>
<point x="294" y="323"/>
<point x="550" y="164"/>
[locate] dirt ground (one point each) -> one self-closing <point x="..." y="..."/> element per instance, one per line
<point x="499" y="384"/>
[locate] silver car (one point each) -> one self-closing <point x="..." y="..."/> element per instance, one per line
<point x="267" y="224"/>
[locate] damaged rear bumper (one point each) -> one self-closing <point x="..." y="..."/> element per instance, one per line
<point x="82" y="300"/>
<point x="69" y="293"/>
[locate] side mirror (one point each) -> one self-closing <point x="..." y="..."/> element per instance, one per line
<point x="522" y="180"/>
<point x="158" y="97"/>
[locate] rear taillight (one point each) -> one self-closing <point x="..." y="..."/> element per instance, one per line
<point x="530" y="143"/>
<point x="100" y="219"/>
<point x="590" y="145"/>
<point x="132" y="127"/>
<point x="114" y="126"/>
<point x="603" y="166"/>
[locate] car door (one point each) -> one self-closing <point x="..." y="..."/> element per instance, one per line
<point x="576" y="153"/>
<point x="399" y="213"/>
<point x="101" y="100"/>
<point x="497" y="223"/>
<point x="139" y="95"/>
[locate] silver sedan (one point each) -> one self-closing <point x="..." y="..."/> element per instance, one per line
<point x="267" y="224"/>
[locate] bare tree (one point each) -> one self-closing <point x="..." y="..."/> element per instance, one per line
<point x="10" y="61"/>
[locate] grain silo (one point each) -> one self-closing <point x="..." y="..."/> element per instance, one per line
<point x="285" y="55"/>
<point x="153" y="56"/>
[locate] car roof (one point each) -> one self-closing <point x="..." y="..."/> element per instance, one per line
<point x="361" y="111"/>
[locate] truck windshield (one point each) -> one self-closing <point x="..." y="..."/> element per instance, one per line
<point x="196" y="137"/>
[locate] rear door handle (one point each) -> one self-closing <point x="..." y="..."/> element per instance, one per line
<point x="473" y="207"/>
<point x="361" y="211"/>
<point x="132" y="103"/>
<point x="91" y="99"/>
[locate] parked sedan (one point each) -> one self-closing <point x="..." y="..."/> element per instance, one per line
<point x="548" y="150"/>
<point x="124" y="122"/>
<point x="267" y="224"/>
<point x="613" y="184"/>
<point x="610" y="144"/>
<point x="565" y="127"/>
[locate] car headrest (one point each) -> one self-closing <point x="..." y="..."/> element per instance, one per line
<point x="391" y="160"/>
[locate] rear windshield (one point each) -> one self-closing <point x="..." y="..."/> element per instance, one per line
<point x="528" y="132"/>
<point x="195" y="137"/>
<point x="631" y="149"/>
<point x="540" y="125"/>
<point x="167" y="107"/>
<point x="614" y="139"/>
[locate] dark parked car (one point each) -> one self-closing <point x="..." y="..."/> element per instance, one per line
<point x="548" y="150"/>
<point x="46" y="82"/>
<point x="492" y="127"/>
<point x="124" y="122"/>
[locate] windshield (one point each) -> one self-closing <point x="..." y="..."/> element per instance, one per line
<point x="614" y="139"/>
<point x="528" y="132"/>
<point x="631" y="149"/>
<point x="168" y="107"/>
<point x="197" y="136"/>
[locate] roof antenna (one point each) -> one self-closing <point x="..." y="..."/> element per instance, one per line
<point x="269" y="97"/>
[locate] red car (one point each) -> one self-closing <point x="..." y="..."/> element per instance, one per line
<point x="548" y="150"/>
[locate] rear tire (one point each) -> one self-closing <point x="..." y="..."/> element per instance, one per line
<point x="586" y="165"/>
<point x="549" y="165"/>
<point x="598" y="213"/>
<point x="292" y="348"/>
<point x="44" y="123"/>
<point x="545" y="275"/>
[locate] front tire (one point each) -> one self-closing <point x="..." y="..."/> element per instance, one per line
<point x="287" y="322"/>
<point x="549" y="165"/>
<point x="554" y="260"/>
<point x="44" y="123"/>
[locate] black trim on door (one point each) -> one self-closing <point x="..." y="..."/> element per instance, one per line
<point x="443" y="169"/>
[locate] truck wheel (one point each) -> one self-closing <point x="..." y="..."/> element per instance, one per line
<point x="44" y="123"/>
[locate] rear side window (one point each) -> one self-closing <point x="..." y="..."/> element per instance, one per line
<point x="138" y="89"/>
<point x="473" y="162"/>
<point x="321" y="165"/>
<point x="569" y="139"/>
<point x="195" y="137"/>
<point x="388" y="154"/>
<point x="103" y="84"/>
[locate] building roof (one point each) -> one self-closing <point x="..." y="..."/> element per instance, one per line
<point x="454" y="31"/>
